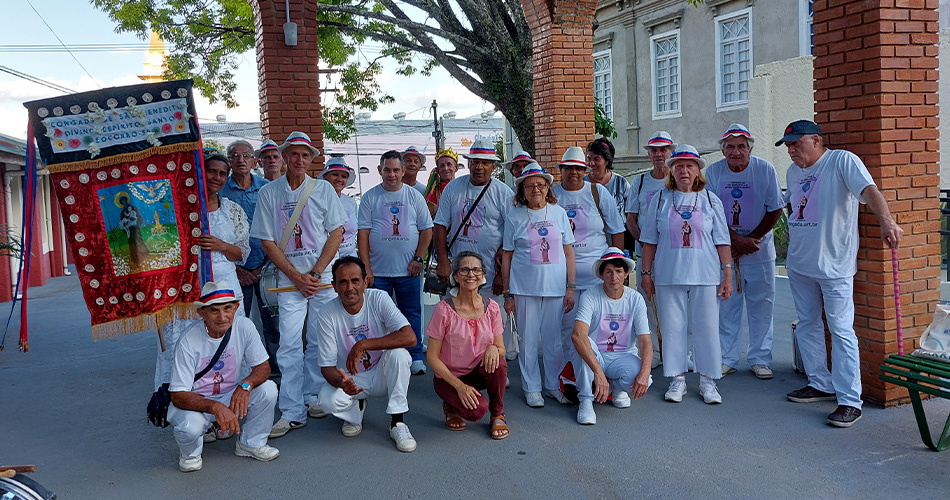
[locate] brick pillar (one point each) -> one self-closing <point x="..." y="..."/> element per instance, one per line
<point x="288" y="77"/>
<point x="876" y="95"/>
<point x="563" y="67"/>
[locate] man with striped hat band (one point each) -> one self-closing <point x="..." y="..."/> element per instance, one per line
<point x="394" y="230"/>
<point x="607" y="358"/>
<point x="475" y="222"/>
<point x="270" y="160"/>
<point x="517" y="164"/>
<point x="752" y="201"/>
<point x="220" y="347"/>
<point x="413" y="161"/>
<point x="299" y="221"/>
<point x="644" y="186"/>
<point x="244" y="189"/>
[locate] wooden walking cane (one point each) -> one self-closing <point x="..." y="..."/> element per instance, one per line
<point x="735" y="270"/>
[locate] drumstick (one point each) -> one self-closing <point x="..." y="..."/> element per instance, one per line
<point x="321" y="286"/>
<point x="735" y="268"/>
<point x="16" y="469"/>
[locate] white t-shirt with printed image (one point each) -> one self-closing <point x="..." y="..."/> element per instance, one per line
<point x="823" y="226"/>
<point x="536" y="239"/>
<point x="339" y="330"/>
<point x="348" y="247"/>
<point x="194" y="351"/>
<point x="394" y="219"/>
<point x="614" y="323"/>
<point x="590" y="242"/>
<point x="642" y="189"/>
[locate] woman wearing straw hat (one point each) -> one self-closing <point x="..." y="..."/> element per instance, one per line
<point x="687" y="265"/>
<point x="591" y="222"/>
<point x="466" y="350"/>
<point x="340" y="176"/>
<point x="541" y="290"/>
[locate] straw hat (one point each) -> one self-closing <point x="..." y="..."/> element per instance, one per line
<point x="482" y="149"/>
<point x="338" y="165"/>
<point x="534" y="170"/>
<point x="299" y="139"/>
<point x="217" y="293"/>
<point x="574" y="157"/>
<point x="611" y="254"/>
<point x="686" y="151"/>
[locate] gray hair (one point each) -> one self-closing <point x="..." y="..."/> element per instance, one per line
<point x="457" y="263"/>
<point x="239" y="142"/>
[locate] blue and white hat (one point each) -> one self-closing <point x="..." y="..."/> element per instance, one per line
<point x="265" y="146"/>
<point x="217" y="293"/>
<point x="688" y="152"/>
<point x="482" y="149"/>
<point x="533" y="169"/>
<point x="659" y="139"/>
<point x="611" y="254"/>
<point x="737" y="130"/>
<point x="299" y="139"/>
<point x="411" y="150"/>
<point x="521" y="156"/>
<point x="338" y="165"/>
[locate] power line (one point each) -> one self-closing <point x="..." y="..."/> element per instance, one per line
<point x="63" y="44"/>
<point x="82" y="47"/>
<point x="34" y="79"/>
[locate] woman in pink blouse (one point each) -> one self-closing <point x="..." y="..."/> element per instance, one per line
<point x="466" y="350"/>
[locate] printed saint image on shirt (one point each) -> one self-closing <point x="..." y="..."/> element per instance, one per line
<point x="221" y="378"/>
<point x="302" y="240"/>
<point x="471" y="227"/>
<point x="686" y="226"/>
<point x="394" y="216"/>
<point x="577" y="218"/>
<point x="805" y="202"/>
<point x="613" y="332"/>
<point x="739" y="201"/>
<point x="356" y="334"/>
<point x="543" y="239"/>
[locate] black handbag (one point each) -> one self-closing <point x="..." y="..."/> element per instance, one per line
<point x="157" y="409"/>
<point x="432" y="283"/>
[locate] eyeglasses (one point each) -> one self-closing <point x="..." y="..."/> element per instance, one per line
<point x="470" y="271"/>
<point x="573" y="167"/>
<point x="536" y="187"/>
<point x="235" y="156"/>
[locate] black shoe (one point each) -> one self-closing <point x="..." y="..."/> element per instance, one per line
<point x="844" y="416"/>
<point x="809" y="394"/>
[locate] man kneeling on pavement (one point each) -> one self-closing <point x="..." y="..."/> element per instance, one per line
<point x="362" y="353"/>
<point x="208" y="400"/>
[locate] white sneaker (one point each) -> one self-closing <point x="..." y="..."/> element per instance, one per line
<point x="534" y="399"/>
<point x="219" y="434"/>
<point x="418" y="367"/>
<point x="283" y="426"/>
<point x="709" y="392"/>
<point x="351" y="430"/>
<point x="210" y="436"/>
<point x="557" y="396"/>
<point x="263" y="453"/>
<point x="314" y="410"/>
<point x="677" y="390"/>
<point x="726" y="369"/>
<point x="620" y="399"/>
<point x="762" y="372"/>
<point x="189" y="464"/>
<point x="507" y="382"/>
<point x="689" y="361"/>
<point x="585" y="413"/>
<point x="403" y="438"/>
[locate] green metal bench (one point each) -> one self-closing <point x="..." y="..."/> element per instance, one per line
<point x="921" y="375"/>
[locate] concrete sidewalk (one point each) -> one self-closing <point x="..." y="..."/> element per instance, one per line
<point x="76" y="409"/>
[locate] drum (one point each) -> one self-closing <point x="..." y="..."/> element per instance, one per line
<point x="268" y="280"/>
<point x="20" y="487"/>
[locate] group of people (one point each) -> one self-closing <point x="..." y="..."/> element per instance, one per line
<point x="538" y="269"/>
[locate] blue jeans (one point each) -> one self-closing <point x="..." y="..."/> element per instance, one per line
<point x="408" y="297"/>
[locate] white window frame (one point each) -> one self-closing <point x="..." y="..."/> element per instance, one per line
<point x="609" y="105"/>
<point x="805" y="24"/>
<point x="717" y="21"/>
<point x="658" y="115"/>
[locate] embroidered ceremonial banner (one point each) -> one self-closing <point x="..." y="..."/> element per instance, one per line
<point x="127" y="168"/>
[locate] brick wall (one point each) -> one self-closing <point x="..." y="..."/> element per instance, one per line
<point x="563" y="68"/>
<point x="288" y="77"/>
<point x="876" y="95"/>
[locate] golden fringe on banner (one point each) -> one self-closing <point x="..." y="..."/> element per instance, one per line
<point x="143" y="322"/>
<point x="123" y="158"/>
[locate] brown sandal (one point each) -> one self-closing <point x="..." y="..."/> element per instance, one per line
<point x="453" y="422"/>
<point x="497" y="426"/>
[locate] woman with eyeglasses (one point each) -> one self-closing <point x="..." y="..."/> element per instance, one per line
<point x="538" y="280"/>
<point x="466" y="350"/>
<point x="687" y="265"/>
<point x="592" y="222"/>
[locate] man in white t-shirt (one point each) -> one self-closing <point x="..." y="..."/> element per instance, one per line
<point x="752" y="202"/>
<point x="303" y="261"/>
<point x="413" y="161"/>
<point x="482" y="232"/>
<point x="362" y="341"/>
<point x="606" y="360"/>
<point x="211" y="407"/>
<point x="394" y="230"/>
<point x="822" y="259"/>
<point x="644" y="186"/>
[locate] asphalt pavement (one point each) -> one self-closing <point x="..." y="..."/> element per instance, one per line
<point x="76" y="409"/>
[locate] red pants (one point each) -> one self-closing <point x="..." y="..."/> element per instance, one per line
<point x="480" y="380"/>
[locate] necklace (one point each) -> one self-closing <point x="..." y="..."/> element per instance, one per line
<point x="684" y="213"/>
<point x="536" y="225"/>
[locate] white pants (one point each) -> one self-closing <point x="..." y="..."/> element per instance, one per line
<point x="838" y="295"/>
<point x="620" y="368"/>
<point x="758" y="295"/>
<point x="539" y="322"/>
<point x="651" y="318"/>
<point x="296" y="378"/>
<point x="389" y="378"/>
<point x="694" y="308"/>
<point x="190" y="426"/>
<point x="567" y="327"/>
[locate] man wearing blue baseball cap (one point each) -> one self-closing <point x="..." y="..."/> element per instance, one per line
<point x="825" y="187"/>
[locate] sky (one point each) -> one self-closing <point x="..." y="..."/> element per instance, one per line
<point x="81" y="23"/>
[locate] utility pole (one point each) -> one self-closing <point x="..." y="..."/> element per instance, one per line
<point x="437" y="130"/>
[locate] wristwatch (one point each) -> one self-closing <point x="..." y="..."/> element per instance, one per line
<point x="246" y="386"/>
<point x="314" y="274"/>
<point x="646" y="272"/>
<point x="417" y="259"/>
<point x="724" y="266"/>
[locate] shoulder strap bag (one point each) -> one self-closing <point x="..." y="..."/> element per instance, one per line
<point x="432" y="283"/>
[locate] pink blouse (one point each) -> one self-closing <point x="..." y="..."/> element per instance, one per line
<point x="464" y="341"/>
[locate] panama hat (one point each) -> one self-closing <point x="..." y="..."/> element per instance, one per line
<point x="482" y="149"/>
<point x="611" y="254"/>
<point x="688" y="152"/>
<point x="299" y="139"/>
<point x="534" y="170"/>
<point x="659" y="139"/>
<point x="574" y="157"/>
<point x="411" y="150"/>
<point x="338" y="165"/>
<point x="217" y="293"/>
<point x="266" y="145"/>
<point x="521" y="156"/>
<point x="737" y="130"/>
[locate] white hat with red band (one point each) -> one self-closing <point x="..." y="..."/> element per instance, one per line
<point x="573" y="157"/>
